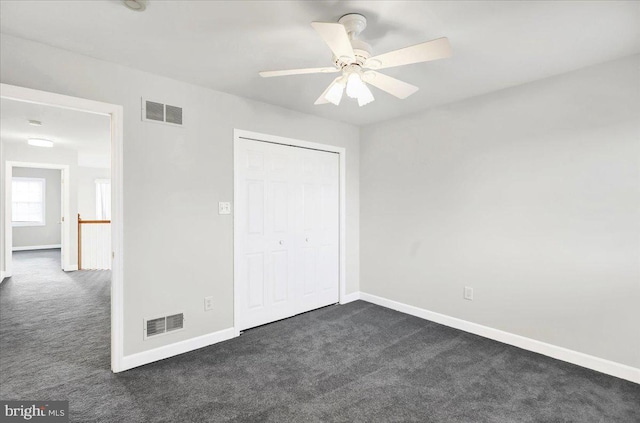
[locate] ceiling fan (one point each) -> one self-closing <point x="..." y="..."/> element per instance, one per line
<point x="352" y="58"/>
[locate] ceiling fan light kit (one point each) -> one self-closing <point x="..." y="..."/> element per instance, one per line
<point x="352" y="58"/>
<point x="333" y="93"/>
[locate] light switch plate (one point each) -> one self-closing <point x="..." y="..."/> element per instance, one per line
<point x="224" y="207"/>
<point x="468" y="293"/>
<point x="208" y="303"/>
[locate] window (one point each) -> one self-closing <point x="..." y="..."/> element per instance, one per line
<point x="27" y="201"/>
<point x="103" y="199"/>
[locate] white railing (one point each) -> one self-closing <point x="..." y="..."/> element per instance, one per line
<point x="94" y="244"/>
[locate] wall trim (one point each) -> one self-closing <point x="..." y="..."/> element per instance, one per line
<point x="348" y="298"/>
<point x="171" y="350"/>
<point x="71" y="268"/>
<point x="601" y="365"/>
<point x="37" y="247"/>
<point x="2" y="276"/>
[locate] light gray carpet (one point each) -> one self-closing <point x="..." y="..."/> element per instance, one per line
<point x="352" y="363"/>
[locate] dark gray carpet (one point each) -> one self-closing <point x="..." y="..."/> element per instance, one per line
<point x="352" y="363"/>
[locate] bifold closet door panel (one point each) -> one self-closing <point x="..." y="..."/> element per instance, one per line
<point x="317" y="231"/>
<point x="263" y="211"/>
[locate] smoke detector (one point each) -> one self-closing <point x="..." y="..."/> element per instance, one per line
<point x="137" y="5"/>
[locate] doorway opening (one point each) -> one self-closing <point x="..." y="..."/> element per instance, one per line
<point x="62" y="174"/>
<point x="37" y="200"/>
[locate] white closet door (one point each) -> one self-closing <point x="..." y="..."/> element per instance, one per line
<point x="316" y="222"/>
<point x="286" y="211"/>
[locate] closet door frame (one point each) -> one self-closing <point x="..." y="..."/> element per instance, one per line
<point x="239" y="134"/>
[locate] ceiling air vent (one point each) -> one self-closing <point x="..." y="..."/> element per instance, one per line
<point x="153" y="111"/>
<point x="165" y="324"/>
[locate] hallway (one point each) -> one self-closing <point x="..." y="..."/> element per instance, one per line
<point x="54" y="324"/>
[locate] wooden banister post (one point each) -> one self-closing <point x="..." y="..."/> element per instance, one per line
<point x="79" y="243"/>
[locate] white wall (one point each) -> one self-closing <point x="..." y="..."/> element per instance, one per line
<point x="22" y="152"/>
<point x="87" y="189"/>
<point x="177" y="249"/>
<point x="529" y="195"/>
<point x="50" y="232"/>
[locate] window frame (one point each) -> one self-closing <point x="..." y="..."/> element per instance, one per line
<point x="42" y="222"/>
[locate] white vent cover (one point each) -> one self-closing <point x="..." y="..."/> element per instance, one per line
<point x="173" y="114"/>
<point x="175" y="322"/>
<point x="165" y="324"/>
<point x="155" y="326"/>
<point x="152" y="111"/>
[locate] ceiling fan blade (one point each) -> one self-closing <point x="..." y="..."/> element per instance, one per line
<point x="423" y="52"/>
<point x="268" y="74"/>
<point x="391" y="85"/>
<point x="336" y="37"/>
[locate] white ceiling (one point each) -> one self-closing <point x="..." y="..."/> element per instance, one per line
<point x="87" y="133"/>
<point x="223" y="44"/>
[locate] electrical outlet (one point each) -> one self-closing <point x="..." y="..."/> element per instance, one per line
<point x="468" y="293"/>
<point x="224" y="207"/>
<point x="208" y="303"/>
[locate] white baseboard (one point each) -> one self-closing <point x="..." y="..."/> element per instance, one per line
<point x="2" y="276"/>
<point x="354" y="296"/>
<point x="36" y="247"/>
<point x="71" y="268"/>
<point x="160" y="353"/>
<point x="590" y="362"/>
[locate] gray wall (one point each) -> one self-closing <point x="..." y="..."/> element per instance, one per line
<point x="529" y="195"/>
<point x="49" y="234"/>
<point x="177" y="249"/>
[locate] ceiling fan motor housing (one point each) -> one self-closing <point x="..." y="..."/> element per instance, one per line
<point x="362" y="52"/>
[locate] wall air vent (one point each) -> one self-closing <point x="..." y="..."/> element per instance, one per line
<point x="161" y="325"/>
<point x="155" y="326"/>
<point x="173" y="115"/>
<point x="153" y="111"/>
<point x="175" y="322"/>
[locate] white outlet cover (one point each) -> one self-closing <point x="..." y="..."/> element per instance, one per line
<point x="224" y="207"/>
